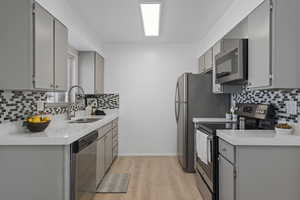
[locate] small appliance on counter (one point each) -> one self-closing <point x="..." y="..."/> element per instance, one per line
<point x="251" y="116"/>
<point x="98" y="112"/>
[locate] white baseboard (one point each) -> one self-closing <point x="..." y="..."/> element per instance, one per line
<point x="147" y="154"/>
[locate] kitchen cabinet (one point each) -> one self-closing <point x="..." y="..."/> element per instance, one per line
<point x="100" y="169"/>
<point x="217" y="88"/>
<point x="91" y="72"/>
<point x="43" y="48"/>
<point x="259" y="71"/>
<point x="206" y="61"/>
<point x="60" y="56"/>
<point x="273" y="42"/>
<point x="201" y="64"/>
<point x="208" y="57"/>
<point x="108" y="146"/>
<point x="115" y="139"/>
<point x="226" y="179"/>
<point x="33" y="50"/>
<point x="255" y="172"/>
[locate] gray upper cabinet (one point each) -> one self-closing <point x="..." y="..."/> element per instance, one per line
<point x="274" y="45"/>
<point x="259" y="46"/>
<point x="99" y="74"/>
<point x="16" y="44"/>
<point x="208" y="60"/>
<point x="43" y="48"/>
<point x="33" y="50"/>
<point x="61" y="49"/>
<point x="201" y="64"/>
<point x="91" y="72"/>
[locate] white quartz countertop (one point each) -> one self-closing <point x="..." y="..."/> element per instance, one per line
<point x="59" y="132"/>
<point x="216" y="120"/>
<point x="258" y="138"/>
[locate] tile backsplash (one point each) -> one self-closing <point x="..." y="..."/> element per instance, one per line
<point x="18" y="105"/>
<point x="103" y="101"/>
<point x="277" y="98"/>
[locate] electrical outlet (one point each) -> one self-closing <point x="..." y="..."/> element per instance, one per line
<point x="40" y="106"/>
<point x="291" y="107"/>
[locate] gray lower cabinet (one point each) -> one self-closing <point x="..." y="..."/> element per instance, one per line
<point x="226" y="179"/>
<point x="100" y="169"/>
<point x="258" y="172"/>
<point x="108" y="145"/>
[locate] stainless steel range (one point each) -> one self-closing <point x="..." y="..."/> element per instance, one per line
<point x="252" y="116"/>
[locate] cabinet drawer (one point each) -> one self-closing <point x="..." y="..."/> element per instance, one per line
<point x="226" y="150"/>
<point x="115" y="122"/>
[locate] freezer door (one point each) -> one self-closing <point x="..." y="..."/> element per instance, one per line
<point x="182" y="134"/>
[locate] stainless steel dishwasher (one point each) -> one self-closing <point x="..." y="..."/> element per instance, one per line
<point x="83" y="167"/>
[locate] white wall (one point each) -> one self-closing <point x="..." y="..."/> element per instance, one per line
<point x="238" y="10"/>
<point x="145" y="77"/>
<point x="81" y="35"/>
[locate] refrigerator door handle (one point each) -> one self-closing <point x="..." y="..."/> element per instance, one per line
<point x="177" y="102"/>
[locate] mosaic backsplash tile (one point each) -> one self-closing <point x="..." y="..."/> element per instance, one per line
<point x="277" y="98"/>
<point x="18" y="105"/>
<point x="103" y="101"/>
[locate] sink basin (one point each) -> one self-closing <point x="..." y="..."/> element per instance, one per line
<point x="84" y="120"/>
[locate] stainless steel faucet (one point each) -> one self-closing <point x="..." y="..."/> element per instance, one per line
<point x="69" y="110"/>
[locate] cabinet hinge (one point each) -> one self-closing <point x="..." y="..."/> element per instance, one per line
<point x="234" y="173"/>
<point x="271" y="5"/>
<point x="271" y="76"/>
<point x="33" y="8"/>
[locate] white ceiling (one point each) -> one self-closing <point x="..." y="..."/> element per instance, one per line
<point x="119" y="21"/>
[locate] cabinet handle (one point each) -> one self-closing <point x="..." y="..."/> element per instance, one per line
<point x="57" y="86"/>
<point x="51" y="85"/>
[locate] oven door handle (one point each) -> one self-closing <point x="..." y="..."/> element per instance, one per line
<point x="209" y="149"/>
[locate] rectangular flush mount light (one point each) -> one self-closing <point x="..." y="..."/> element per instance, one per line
<point x="151" y="18"/>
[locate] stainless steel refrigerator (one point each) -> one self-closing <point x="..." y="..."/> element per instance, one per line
<point x="194" y="98"/>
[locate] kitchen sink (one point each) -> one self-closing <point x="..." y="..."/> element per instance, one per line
<point x="84" y="120"/>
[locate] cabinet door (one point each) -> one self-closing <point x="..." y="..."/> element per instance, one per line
<point x="208" y="60"/>
<point x="100" y="160"/>
<point x="217" y="88"/>
<point x="259" y="46"/>
<point x="43" y="48"/>
<point x="201" y="64"/>
<point x="226" y="180"/>
<point x="108" y="149"/>
<point x="99" y="74"/>
<point x="61" y="51"/>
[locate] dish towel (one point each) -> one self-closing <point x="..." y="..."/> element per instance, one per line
<point x="203" y="150"/>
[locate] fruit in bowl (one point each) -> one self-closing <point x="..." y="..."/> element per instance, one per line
<point x="284" y="129"/>
<point x="37" y="123"/>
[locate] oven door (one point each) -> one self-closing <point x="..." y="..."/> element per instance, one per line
<point x="206" y="171"/>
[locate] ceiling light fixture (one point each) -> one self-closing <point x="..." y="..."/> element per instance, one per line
<point x="151" y="18"/>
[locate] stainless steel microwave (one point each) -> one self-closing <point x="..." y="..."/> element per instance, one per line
<point x="232" y="62"/>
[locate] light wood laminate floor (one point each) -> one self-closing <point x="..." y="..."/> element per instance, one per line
<point x="154" y="178"/>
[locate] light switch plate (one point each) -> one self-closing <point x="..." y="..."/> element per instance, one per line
<point x="291" y="107"/>
<point x="40" y="105"/>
